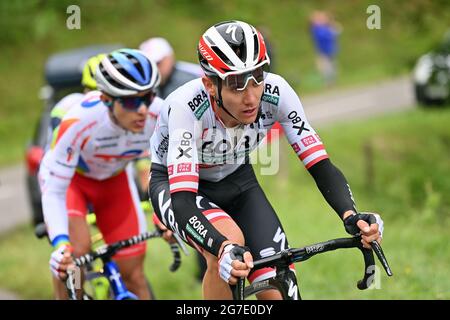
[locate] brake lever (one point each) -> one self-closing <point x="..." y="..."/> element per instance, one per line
<point x="381" y="257"/>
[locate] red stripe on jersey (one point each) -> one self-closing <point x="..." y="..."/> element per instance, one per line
<point x="184" y="178"/>
<point x="310" y="164"/>
<point x="219" y="218"/>
<point x="183" y="189"/>
<point x="214" y="60"/>
<point x="63" y="126"/>
<point x="310" y="151"/>
<point x="84" y="142"/>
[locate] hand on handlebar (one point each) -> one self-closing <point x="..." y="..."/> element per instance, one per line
<point x="61" y="260"/>
<point x="369" y="225"/>
<point x="167" y="234"/>
<point x="235" y="262"/>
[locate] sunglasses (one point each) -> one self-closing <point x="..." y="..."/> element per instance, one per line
<point x="134" y="103"/>
<point x="239" y="81"/>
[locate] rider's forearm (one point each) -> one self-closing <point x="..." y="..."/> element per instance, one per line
<point x="194" y="223"/>
<point x="55" y="216"/>
<point x="54" y="190"/>
<point x="334" y="187"/>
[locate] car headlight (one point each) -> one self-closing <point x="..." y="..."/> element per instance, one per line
<point x="422" y="70"/>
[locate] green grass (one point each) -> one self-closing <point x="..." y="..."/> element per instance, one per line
<point x="410" y="187"/>
<point x="31" y="30"/>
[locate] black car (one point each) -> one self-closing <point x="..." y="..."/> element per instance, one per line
<point x="432" y="75"/>
<point x="63" y="76"/>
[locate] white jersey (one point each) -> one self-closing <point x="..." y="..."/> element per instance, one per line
<point x="90" y="143"/>
<point x="195" y="144"/>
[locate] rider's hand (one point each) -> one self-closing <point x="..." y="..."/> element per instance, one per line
<point x="369" y="224"/>
<point x="230" y="268"/>
<point x="166" y="233"/>
<point x="61" y="260"/>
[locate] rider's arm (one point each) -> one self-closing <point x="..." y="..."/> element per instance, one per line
<point x="56" y="172"/>
<point x="333" y="186"/>
<point x="311" y="151"/>
<point x="183" y="171"/>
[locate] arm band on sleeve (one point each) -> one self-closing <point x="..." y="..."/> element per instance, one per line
<point x="194" y="223"/>
<point x="333" y="186"/>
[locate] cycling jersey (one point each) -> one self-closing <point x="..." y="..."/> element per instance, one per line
<point x="90" y="143"/>
<point x="200" y="146"/>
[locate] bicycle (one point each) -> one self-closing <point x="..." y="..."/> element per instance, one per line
<point x="285" y="281"/>
<point x="109" y="270"/>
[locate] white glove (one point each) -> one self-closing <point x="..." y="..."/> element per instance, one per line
<point x="225" y="263"/>
<point x="380" y="224"/>
<point x="230" y="252"/>
<point x="57" y="257"/>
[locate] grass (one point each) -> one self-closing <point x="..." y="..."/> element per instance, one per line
<point x="409" y="189"/>
<point x="31" y="30"/>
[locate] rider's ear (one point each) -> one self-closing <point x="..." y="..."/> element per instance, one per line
<point x="107" y="100"/>
<point x="209" y="85"/>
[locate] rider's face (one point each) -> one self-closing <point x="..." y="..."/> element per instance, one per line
<point x="242" y="104"/>
<point x="132" y="120"/>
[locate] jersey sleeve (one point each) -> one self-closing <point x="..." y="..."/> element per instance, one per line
<point x="301" y="135"/>
<point x="56" y="172"/>
<point x="182" y="159"/>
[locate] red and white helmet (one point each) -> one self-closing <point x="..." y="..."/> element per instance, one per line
<point x="231" y="48"/>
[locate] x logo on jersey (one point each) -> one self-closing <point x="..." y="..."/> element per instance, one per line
<point x="301" y="128"/>
<point x="184" y="152"/>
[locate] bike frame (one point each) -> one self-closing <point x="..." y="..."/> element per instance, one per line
<point x="112" y="273"/>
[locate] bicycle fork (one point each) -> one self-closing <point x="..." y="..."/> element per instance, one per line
<point x="111" y="270"/>
<point x="286" y="282"/>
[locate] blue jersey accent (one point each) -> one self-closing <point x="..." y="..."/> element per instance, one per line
<point x="132" y="152"/>
<point x="90" y="103"/>
<point x="62" y="238"/>
<point x="82" y="165"/>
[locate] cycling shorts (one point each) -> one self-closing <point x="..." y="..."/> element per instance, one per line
<point x="238" y="197"/>
<point x="116" y="205"/>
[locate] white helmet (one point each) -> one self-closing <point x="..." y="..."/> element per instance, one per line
<point x="230" y="48"/>
<point x="126" y="72"/>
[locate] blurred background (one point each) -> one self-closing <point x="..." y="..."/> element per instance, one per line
<point x="377" y="92"/>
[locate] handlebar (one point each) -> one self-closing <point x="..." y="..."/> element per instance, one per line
<point x="107" y="251"/>
<point x="289" y="256"/>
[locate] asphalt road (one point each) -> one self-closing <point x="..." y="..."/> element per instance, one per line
<point x="324" y="109"/>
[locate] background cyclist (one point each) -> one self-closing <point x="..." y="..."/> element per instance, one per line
<point x="88" y="163"/>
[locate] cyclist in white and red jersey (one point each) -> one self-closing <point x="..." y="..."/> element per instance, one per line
<point x="202" y="185"/>
<point x="88" y="163"/>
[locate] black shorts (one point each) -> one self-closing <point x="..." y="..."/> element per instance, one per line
<point x="240" y="196"/>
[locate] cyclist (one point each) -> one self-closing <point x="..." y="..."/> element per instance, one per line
<point x="88" y="163"/>
<point x="202" y="185"/>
